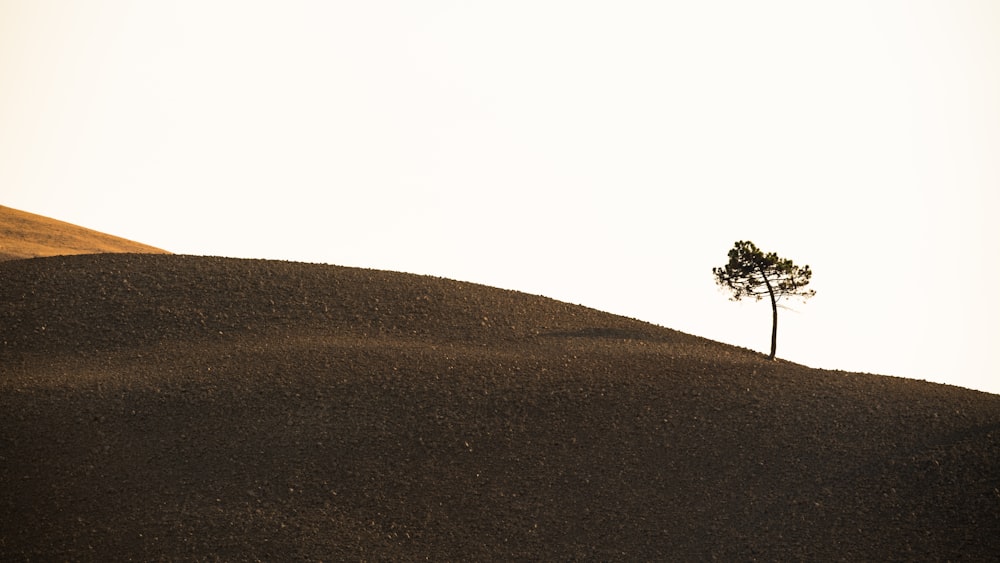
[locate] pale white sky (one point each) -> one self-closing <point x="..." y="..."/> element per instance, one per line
<point x="602" y="153"/>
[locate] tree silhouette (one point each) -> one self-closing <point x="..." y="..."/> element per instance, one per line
<point x="751" y="273"/>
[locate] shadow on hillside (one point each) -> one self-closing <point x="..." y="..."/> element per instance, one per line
<point x="611" y="333"/>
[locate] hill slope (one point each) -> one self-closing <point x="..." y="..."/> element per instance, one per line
<point x="177" y="407"/>
<point x="26" y="235"/>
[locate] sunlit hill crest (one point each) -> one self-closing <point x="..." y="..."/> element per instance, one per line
<point x="27" y="235"/>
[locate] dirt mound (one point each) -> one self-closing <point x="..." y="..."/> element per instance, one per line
<point x="26" y="235"/>
<point x="175" y="407"/>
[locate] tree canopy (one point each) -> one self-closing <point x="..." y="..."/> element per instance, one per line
<point x="752" y="273"/>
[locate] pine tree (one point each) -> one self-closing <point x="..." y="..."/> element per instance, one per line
<point x="751" y="273"/>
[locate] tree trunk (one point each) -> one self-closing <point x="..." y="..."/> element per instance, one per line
<point x="774" y="326"/>
<point x="774" y="315"/>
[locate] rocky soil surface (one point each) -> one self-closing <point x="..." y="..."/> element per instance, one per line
<point x="159" y="407"/>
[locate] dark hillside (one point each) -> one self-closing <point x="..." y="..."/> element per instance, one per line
<point x="159" y="407"/>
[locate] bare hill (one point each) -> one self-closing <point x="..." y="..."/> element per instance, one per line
<point x="160" y="407"/>
<point x="26" y="235"/>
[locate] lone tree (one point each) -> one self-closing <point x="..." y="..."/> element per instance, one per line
<point x="751" y="273"/>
